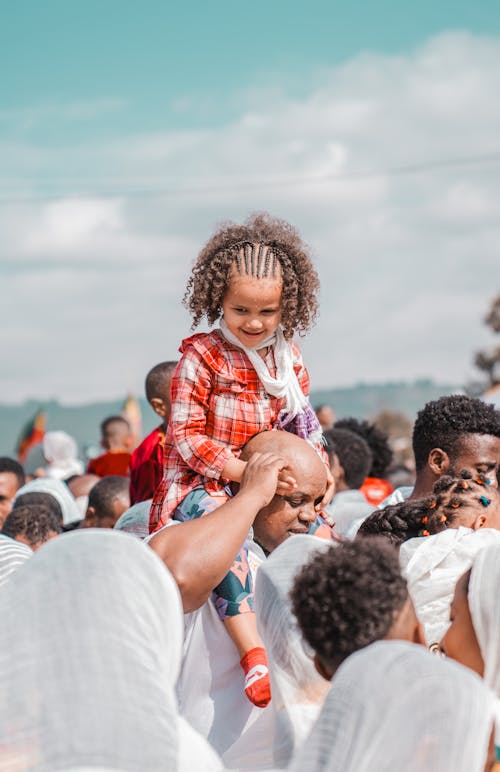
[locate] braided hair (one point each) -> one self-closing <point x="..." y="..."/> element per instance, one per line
<point x="262" y="247"/>
<point x="430" y="515"/>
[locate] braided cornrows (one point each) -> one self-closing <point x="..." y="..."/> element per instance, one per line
<point x="256" y="248"/>
<point x="405" y="520"/>
<point x="452" y="493"/>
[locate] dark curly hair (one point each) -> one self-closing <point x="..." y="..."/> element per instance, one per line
<point x="444" y="422"/>
<point x="232" y="243"/>
<point x="105" y="492"/>
<point x="42" y="499"/>
<point x="348" y="597"/>
<point x="353" y="453"/>
<point x="35" y="523"/>
<point x="429" y="515"/>
<point x="8" y="464"/>
<point x="377" y="440"/>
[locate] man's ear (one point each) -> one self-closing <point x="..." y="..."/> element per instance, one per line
<point x="438" y="462"/>
<point x="90" y="520"/>
<point x="324" y="672"/>
<point x="159" y="406"/>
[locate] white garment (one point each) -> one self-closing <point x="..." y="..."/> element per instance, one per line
<point x="432" y="565"/>
<point x="297" y="689"/>
<point x="90" y="656"/>
<point x="211" y="688"/>
<point x="12" y="555"/>
<point x="61" y="453"/>
<point x="394" y="707"/>
<point x="286" y="383"/>
<point x="60" y="491"/>
<point x="484" y="604"/>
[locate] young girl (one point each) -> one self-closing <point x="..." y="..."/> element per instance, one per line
<point x="242" y="378"/>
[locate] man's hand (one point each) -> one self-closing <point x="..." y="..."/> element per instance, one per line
<point x="261" y="478"/>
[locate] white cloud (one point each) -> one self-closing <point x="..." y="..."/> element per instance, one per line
<point x="92" y="285"/>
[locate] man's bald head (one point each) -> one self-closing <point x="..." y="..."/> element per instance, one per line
<point x="298" y="454"/>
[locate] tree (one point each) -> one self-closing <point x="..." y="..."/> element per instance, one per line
<point x="489" y="361"/>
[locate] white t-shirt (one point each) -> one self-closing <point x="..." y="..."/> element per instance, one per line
<point x="211" y="691"/>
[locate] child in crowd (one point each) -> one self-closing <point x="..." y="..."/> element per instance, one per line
<point x="240" y="379"/>
<point x="117" y="441"/>
<point x="467" y="500"/>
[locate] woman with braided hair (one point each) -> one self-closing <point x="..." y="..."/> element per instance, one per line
<point x="240" y="379"/>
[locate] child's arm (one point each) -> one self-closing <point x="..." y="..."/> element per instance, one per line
<point x="200" y="552"/>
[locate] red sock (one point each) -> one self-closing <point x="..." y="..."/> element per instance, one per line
<point x="257" y="683"/>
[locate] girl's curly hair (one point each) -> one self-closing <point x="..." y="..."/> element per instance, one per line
<point x="210" y="277"/>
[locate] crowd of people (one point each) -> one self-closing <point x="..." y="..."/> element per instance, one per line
<point x="248" y="588"/>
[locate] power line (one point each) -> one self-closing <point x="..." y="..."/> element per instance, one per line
<point x="418" y="167"/>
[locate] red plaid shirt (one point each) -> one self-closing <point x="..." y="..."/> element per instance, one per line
<point x="218" y="404"/>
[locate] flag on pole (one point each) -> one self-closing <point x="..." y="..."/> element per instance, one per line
<point x="31" y="434"/>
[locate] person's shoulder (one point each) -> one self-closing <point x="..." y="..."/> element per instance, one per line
<point x="209" y="347"/>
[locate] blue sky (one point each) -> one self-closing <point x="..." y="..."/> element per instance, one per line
<point x="110" y="111"/>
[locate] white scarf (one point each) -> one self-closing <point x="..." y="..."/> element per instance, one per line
<point x="286" y="383"/>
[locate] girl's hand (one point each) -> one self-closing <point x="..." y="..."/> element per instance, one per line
<point x="260" y="477"/>
<point x="287" y="484"/>
<point x="329" y="493"/>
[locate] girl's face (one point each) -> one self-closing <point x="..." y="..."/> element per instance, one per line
<point x="460" y="642"/>
<point x="252" y="307"/>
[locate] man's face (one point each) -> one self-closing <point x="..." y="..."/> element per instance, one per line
<point x="289" y="515"/>
<point x="478" y="453"/>
<point x="8" y="489"/>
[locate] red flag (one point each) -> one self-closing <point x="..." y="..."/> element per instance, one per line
<point x="32" y="433"/>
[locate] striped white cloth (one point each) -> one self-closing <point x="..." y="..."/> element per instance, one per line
<point x="12" y="555"/>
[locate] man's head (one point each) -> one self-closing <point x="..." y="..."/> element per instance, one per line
<point x="157" y="387"/>
<point x="455" y="433"/>
<point x="351" y="596"/>
<point x="377" y="441"/>
<point x="288" y="515"/>
<point x="11" y="479"/>
<point x="354" y="458"/>
<point x="40" y="499"/>
<point x="116" y="434"/>
<point x="326" y="416"/>
<point x="108" y="500"/>
<point x="32" y="525"/>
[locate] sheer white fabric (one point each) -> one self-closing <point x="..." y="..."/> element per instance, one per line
<point x="432" y="566"/>
<point x="12" y="555"/>
<point x="297" y="689"/>
<point x="90" y="643"/>
<point x="484" y="604"/>
<point x="61" y="453"/>
<point x="60" y="491"/>
<point x="394" y="707"/>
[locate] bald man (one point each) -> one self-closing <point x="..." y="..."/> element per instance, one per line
<point x="200" y="552"/>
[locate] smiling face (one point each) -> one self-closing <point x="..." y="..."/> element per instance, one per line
<point x="286" y="516"/>
<point x="252" y="307"/>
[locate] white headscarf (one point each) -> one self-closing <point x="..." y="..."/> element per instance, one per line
<point x="432" y="565"/>
<point x="12" y="555"/>
<point x="60" y="491"/>
<point x="394" y="707"/>
<point x="484" y="604"/>
<point x="90" y="656"/>
<point x="61" y="453"/>
<point x="297" y="689"/>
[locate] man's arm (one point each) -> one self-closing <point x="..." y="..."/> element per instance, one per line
<point x="199" y="553"/>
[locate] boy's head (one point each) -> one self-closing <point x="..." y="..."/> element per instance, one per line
<point x="326" y="416"/>
<point x="377" y="441"/>
<point x="32" y="525"/>
<point x="108" y="500"/>
<point x="116" y="434"/>
<point x="353" y="455"/>
<point x="351" y="596"/>
<point x="454" y="433"/>
<point x="11" y="479"/>
<point x="157" y="389"/>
